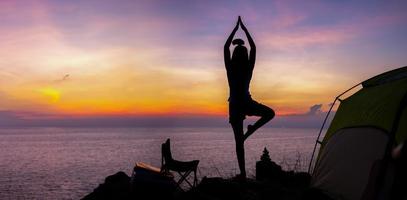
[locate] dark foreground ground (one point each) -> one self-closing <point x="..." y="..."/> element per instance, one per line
<point x="270" y="183"/>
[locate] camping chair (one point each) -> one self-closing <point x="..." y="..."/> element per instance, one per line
<point x="184" y="169"/>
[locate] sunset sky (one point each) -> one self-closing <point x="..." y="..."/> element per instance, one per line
<point x="165" y="58"/>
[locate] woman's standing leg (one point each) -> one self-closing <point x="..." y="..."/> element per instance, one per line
<point x="239" y="139"/>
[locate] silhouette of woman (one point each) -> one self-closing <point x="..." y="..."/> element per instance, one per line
<point x="239" y="70"/>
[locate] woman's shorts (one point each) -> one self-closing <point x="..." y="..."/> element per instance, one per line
<point x="238" y="110"/>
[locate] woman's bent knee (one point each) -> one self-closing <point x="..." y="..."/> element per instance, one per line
<point x="269" y="114"/>
<point x="272" y="113"/>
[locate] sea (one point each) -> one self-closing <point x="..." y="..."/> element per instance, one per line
<point x="69" y="163"/>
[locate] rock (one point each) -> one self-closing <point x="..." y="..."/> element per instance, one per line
<point x="271" y="183"/>
<point x="116" y="186"/>
<point x="143" y="185"/>
<point x="267" y="169"/>
<point x="152" y="185"/>
<point x="223" y="189"/>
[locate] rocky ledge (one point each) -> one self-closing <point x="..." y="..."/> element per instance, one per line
<point x="271" y="182"/>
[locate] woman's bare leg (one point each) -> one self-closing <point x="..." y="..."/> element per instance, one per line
<point x="266" y="115"/>
<point x="239" y="139"/>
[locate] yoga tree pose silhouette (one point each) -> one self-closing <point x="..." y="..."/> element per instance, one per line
<point x="239" y="70"/>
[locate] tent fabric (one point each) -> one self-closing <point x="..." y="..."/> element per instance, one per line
<point x="345" y="164"/>
<point x="372" y="106"/>
<point x="359" y="133"/>
<point x="401" y="134"/>
<point x="400" y="73"/>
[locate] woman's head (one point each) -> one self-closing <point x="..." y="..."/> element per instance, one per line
<point x="239" y="55"/>
<point x="238" y="42"/>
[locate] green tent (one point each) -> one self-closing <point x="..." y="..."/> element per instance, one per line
<point x="366" y="126"/>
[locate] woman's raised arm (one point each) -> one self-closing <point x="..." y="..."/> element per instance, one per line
<point x="252" y="56"/>
<point x="226" y="51"/>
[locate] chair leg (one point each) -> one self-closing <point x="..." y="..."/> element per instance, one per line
<point x="184" y="177"/>
<point x="195" y="179"/>
<point x="180" y="181"/>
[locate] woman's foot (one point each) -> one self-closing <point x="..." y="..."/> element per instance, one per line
<point x="240" y="177"/>
<point x="250" y="130"/>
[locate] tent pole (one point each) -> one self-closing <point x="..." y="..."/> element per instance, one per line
<point x="319" y="134"/>
<point x="323" y="124"/>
